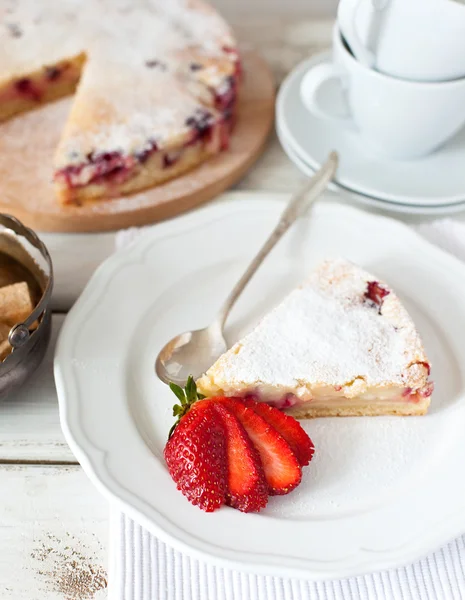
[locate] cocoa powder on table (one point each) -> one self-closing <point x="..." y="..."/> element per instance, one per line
<point x="68" y="567"/>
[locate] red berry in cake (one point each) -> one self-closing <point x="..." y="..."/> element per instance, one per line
<point x="288" y="427"/>
<point x="113" y="165"/>
<point x="52" y="73"/>
<point x="376" y="292"/>
<point x="196" y="458"/>
<point x="226" y="97"/>
<point x="282" y="469"/>
<point x="427" y="367"/>
<point x="143" y="155"/>
<point x="427" y="390"/>
<point x="156" y="64"/>
<point x="247" y="488"/>
<point x="201" y="122"/>
<point x="170" y="158"/>
<point x="25" y="87"/>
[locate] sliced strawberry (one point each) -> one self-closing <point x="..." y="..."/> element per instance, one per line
<point x="282" y="469"/>
<point x="291" y="430"/>
<point x="197" y="460"/>
<point x="247" y="487"/>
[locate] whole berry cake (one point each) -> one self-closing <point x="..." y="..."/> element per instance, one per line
<point x="155" y="85"/>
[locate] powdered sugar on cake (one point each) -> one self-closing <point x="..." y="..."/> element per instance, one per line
<point x="127" y="125"/>
<point x="329" y="332"/>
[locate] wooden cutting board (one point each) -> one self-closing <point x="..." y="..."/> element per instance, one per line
<point x="27" y="145"/>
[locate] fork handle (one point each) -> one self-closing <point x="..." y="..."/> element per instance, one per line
<point x="298" y="205"/>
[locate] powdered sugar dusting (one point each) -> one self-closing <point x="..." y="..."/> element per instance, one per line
<point x="140" y="114"/>
<point x="326" y="332"/>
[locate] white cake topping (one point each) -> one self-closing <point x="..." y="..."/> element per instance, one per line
<point x="327" y="332"/>
<point x="136" y="83"/>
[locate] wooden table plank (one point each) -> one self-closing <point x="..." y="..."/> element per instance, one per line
<point x="50" y="517"/>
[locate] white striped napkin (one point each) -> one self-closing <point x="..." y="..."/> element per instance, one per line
<point x="144" y="568"/>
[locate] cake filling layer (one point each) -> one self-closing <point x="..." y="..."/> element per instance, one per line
<point x="33" y="89"/>
<point x="354" y="392"/>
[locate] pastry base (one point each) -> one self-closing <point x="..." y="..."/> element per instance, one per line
<point x="307" y="411"/>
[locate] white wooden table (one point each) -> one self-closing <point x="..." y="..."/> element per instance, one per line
<point x="48" y="509"/>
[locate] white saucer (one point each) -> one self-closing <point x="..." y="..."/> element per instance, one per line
<point x="435" y="180"/>
<point x="385" y="205"/>
<point x="380" y="492"/>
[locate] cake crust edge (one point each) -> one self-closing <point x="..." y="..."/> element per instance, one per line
<point x="304" y="411"/>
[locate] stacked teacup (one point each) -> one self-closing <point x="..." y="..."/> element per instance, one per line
<point x="401" y="67"/>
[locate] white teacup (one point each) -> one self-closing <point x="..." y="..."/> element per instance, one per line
<point x="423" y="40"/>
<point x="400" y="119"/>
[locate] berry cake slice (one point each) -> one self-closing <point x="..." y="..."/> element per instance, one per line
<point x="342" y="344"/>
<point x="156" y="82"/>
<point x="137" y="139"/>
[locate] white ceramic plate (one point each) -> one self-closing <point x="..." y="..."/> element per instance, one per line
<point x="433" y="180"/>
<point x="380" y="491"/>
<point x="384" y="205"/>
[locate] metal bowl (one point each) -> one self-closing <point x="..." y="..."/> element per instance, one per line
<point x="21" y="243"/>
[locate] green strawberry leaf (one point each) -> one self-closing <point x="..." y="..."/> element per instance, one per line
<point x="191" y="390"/>
<point x="177" y="410"/>
<point x="179" y="392"/>
<point x="186" y="397"/>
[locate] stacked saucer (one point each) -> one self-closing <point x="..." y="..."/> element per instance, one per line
<point x="433" y="184"/>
